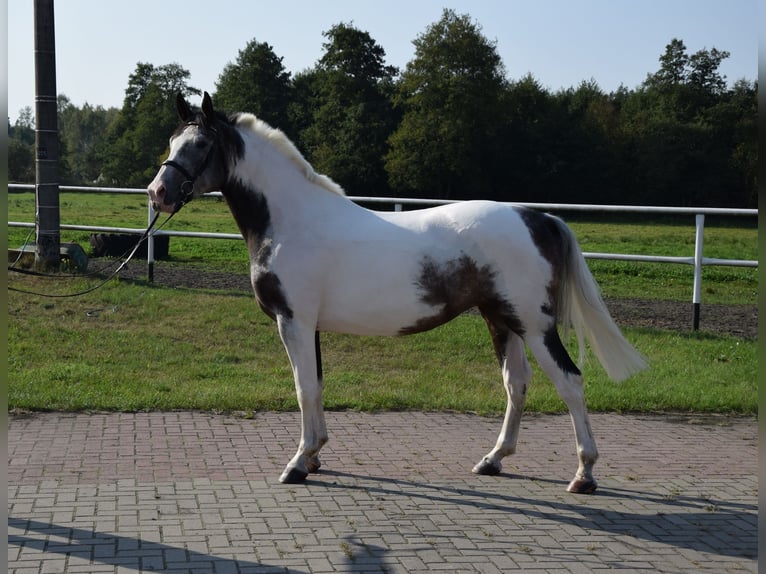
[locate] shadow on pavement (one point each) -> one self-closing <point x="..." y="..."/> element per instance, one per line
<point x="694" y="523"/>
<point x="141" y="555"/>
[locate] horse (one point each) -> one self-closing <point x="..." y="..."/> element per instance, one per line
<point x="321" y="263"/>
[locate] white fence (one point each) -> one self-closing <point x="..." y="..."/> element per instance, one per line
<point x="697" y="260"/>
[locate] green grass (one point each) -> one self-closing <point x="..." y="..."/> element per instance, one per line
<point x="133" y="347"/>
<point x="726" y="239"/>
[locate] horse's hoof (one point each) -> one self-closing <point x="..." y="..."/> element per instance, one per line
<point x="487" y="468"/>
<point x="582" y="486"/>
<point x="293" y="476"/>
<point x="313" y="464"/>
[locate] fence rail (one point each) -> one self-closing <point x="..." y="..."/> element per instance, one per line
<point x="697" y="260"/>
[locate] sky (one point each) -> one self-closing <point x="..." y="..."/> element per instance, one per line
<point x="560" y="42"/>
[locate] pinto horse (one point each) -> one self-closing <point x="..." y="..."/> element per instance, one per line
<point x="319" y="262"/>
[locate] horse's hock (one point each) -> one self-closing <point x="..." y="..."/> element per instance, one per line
<point x="119" y="244"/>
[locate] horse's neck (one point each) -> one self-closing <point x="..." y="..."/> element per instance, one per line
<point x="295" y="204"/>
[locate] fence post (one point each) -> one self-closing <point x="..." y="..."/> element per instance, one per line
<point x="697" y="295"/>
<point x="150" y="246"/>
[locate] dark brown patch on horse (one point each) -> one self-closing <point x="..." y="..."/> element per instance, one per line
<point x="222" y="127"/>
<point x="553" y="246"/>
<point x="545" y="233"/>
<point x="558" y="351"/>
<point x="216" y="150"/>
<point x="251" y="212"/>
<point x="271" y="296"/>
<point x="500" y="337"/>
<point x="548" y="236"/>
<point x="318" y="351"/>
<point x="455" y="286"/>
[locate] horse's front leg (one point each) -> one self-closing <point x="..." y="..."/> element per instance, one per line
<point x="302" y="345"/>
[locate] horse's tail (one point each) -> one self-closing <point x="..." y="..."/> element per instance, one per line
<point x="581" y="306"/>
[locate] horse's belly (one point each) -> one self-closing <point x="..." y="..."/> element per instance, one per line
<point x="370" y="315"/>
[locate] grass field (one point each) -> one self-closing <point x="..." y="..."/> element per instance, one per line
<point x="132" y="346"/>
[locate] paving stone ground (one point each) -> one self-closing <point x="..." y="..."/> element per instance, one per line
<point x="189" y="492"/>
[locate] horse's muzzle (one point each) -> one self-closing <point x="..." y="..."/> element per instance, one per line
<point x="157" y="195"/>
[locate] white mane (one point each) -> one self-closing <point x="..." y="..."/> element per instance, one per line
<point x="280" y="141"/>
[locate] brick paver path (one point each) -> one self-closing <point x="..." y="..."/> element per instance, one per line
<point x="196" y="492"/>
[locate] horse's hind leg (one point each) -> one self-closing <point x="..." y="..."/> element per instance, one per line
<point x="516" y="377"/>
<point x="557" y="364"/>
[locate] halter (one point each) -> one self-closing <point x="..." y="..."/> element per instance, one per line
<point x="187" y="186"/>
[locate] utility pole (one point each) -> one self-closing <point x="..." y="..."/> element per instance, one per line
<point x="47" y="217"/>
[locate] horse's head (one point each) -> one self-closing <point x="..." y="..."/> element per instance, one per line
<point x="195" y="164"/>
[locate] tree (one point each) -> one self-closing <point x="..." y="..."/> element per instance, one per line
<point x="583" y="140"/>
<point x="733" y="123"/>
<point x="673" y="66"/>
<point x="529" y="130"/>
<point x="689" y="139"/>
<point x="451" y="95"/>
<point x="137" y="141"/>
<point x="82" y="132"/>
<point x="257" y="83"/>
<point x="703" y="74"/>
<point x="21" y="148"/>
<point x="351" y="117"/>
<point x="685" y="84"/>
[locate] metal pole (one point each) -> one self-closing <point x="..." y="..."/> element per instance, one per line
<point x="47" y="216"/>
<point x="697" y="295"/>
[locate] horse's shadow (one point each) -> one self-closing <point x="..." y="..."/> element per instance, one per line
<point x="699" y="524"/>
<point x="141" y="555"/>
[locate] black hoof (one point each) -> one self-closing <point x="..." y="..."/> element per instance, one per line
<point x="582" y="486"/>
<point x="293" y="476"/>
<point x="487" y="468"/>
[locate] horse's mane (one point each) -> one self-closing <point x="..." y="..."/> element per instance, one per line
<point x="280" y="141"/>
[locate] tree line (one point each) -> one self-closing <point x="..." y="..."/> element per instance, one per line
<point x="450" y="125"/>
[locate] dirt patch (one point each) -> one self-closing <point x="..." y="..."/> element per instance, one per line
<point x="737" y="320"/>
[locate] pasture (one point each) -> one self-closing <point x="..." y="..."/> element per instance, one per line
<point x="134" y="346"/>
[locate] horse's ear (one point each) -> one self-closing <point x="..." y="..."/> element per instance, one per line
<point x="207" y="108"/>
<point x="184" y="111"/>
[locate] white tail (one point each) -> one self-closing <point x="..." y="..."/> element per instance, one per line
<point x="582" y="307"/>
